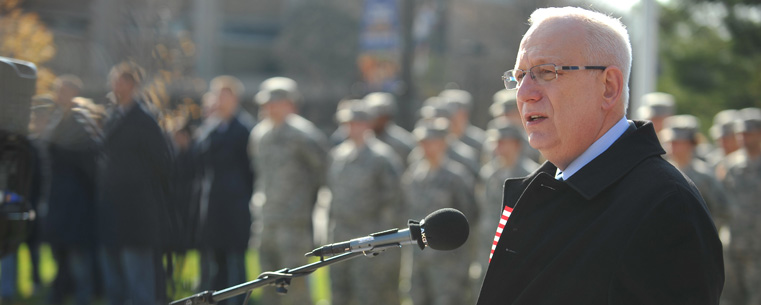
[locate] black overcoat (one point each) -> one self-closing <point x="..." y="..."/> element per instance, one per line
<point x="134" y="182"/>
<point x="226" y="221"/>
<point x="628" y="228"/>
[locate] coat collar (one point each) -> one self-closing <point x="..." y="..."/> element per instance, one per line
<point x="638" y="143"/>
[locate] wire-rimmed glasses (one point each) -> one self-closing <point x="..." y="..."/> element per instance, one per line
<point x="544" y="72"/>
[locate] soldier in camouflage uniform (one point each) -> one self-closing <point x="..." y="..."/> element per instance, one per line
<point x="505" y="107"/>
<point x="723" y="133"/>
<point x="383" y="106"/>
<point x="289" y="154"/>
<point x="508" y="162"/>
<point x="436" y="182"/>
<point x="742" y="182"/>
<point x="680" y="138"/>
<point x="437" y="107"/>
<point x="460" y="103"/>
<point x="364" y="181"/>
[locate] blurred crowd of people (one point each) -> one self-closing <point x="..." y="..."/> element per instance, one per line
<point x="117" y="193"/>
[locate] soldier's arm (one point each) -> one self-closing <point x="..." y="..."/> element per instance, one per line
<point x="389" y="187"/>
<point x="315" y="154"/>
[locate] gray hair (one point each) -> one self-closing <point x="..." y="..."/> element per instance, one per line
<point x="607" y="39"/>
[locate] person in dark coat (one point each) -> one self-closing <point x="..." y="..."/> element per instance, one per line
<point x="605" y="220"/>
<point x="133" y="182"/>
<point x="229" y="181"/>
<point x="72" y="139"/>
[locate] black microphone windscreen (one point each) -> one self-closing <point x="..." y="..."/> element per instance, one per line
<point x="446" y="229"/>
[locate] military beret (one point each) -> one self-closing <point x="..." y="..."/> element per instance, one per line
<point x="504" y="129"/>
<point x="353" y="110"/>
<point x="724" y="123"/>
<point x="680" y="127"/>
<point x="381" y="103"/>
<point x="750" y="120"/>
<point x="277" y="88"/>
<point x="503" y="101"/>
<point x="656" y="104"/>
<point x="434" y="128"/>
<point x="457" y="99"/>
<point x="435" y="107"/>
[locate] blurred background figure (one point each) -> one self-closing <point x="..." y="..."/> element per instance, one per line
<point x="382" y="106"/>
<point x="680" y="137"/>
<point x="289" y="155"/>
<point x="742" y="183"/>
<point x="363" y="178"/>
<point x="228" y="183"/>
<point x="133" y="181"/>
<point x="508" y="140"/>
<point x="723" y="134"/>
<point x="436" y="107"/>
<point x="184" y="199"/>
<point x="43" y="107"/>
<point x="656" y="107"/>
<point x="460" y="103"/>
<point x="505" y="106"/>
<point x="437" y="182"/>
<point x="72" y="137"/>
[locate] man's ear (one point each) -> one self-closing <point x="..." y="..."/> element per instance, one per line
<point x="613" y="84"/>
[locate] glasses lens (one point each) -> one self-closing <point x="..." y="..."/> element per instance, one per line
<point x="544" y="72"/>
<point x="511" y="82"/>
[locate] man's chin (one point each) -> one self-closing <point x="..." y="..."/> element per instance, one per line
<point x="540" y="141"/>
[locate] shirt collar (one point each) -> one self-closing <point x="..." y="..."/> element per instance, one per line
<point x="594" y="150"/>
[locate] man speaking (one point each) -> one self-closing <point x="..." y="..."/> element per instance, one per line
<point x="606" y="220"/>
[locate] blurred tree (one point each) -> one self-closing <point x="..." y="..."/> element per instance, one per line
<point x="710" y="54"/>
<point x="23" y="36"/>
<point x="149" y="33"/>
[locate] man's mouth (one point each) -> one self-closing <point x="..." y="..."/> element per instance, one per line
<point x="532" y="118"/>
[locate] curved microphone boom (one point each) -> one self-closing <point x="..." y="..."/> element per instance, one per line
<point x="444" y="229"/>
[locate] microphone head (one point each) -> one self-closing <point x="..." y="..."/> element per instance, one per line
<point x="445" y="229"/>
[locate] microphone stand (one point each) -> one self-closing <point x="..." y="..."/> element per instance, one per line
<point x="281" y="279"/>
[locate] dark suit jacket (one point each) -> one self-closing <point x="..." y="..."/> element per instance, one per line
<point x="227" y="219"/>
<point x="628" y="228"/>
<point x="134" y="182"/>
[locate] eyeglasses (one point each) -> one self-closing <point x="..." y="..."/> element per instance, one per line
<point x="545" y="73"/>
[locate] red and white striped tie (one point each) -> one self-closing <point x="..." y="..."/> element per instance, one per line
<point x="502" y="222"/>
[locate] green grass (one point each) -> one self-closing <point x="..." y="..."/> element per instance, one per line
<point x="186" y="275"/>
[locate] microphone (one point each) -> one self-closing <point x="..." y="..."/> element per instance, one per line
<point x="444" y="229"/>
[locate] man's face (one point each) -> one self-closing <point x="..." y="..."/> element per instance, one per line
<point x="433" y="148"/>
<point x="564" y="116"/>
<point x="227" y="103"/>
<point x="122" y="87"/>
<point x="680" y="150"/>
<point x="508" y="147"/>
<point x="278" y="110"/>
<point x="751" y="140"/>
<point x="357" y="129"/>
<point x="729" y="143"/>
<point x="64" y="95"/>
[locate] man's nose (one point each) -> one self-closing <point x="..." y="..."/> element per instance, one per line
<point x="529" y="90"/>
